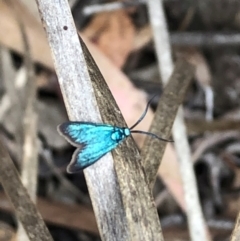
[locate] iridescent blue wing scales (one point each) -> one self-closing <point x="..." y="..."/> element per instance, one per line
<point x="93" y="141"/>
<point x="88" y="155"/>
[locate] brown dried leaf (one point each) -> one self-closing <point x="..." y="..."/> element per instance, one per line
<point x="113" y="33"/>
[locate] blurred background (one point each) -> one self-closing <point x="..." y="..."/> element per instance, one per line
<point x="120" y="38"/>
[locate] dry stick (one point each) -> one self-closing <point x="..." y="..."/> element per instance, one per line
<point x="127" y="165"/>
<point x="72" y="216"/>
<point x="186" y="39"/>
<point x="197" y="226"/>
<point x="122" y="201"/>
<point x="80" y="103"/>
<point x="205" y="39"/>
<point x="109" y="7"/>
<point x="25" y="209"/>
<point x="16" y="91"/>
<point x="30" y="151"/>
<point x="8" y="73"/>
<point x="200" y="126"/>
<point x="164" y="117"/>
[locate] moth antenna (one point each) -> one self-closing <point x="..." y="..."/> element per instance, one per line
<point x="151" y="134"/>
<point x="144" y="113"/>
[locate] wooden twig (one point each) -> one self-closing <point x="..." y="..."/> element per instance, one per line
<point x="127" y="161"/>
<point x="25" y="209"/>
<point x="30" y="150"/>
<point x="218" y="125"/>
<point x="108" y="7"/>
<point x="122" y="201"/>
<point x="197" y="226"/>
<point x="164" y="117"/>
<point x="73" y="216"/>
<point x="207" y="40"/>
<point x="8" y="73"/>
<point x="29" y="165"/>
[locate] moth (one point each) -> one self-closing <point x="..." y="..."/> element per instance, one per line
<point x="94" y="140"/>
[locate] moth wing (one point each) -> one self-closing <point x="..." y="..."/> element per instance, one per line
<point x="81" y="133"/>
<point x="93" y="142"/>
<point x="89" y="154"/>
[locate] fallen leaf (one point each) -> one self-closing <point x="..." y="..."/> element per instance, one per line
<point x="113" y="33"/>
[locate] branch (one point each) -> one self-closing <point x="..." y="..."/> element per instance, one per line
<point x="29" y="125"/>
<point x="205" y="39"/>
<point x="24" y="207"/>
<point x="169" y="102"/>
<point x="197" y="226"/>
<point x="109" y="7"/>
<point x="120" y="198"/>
<point x="60" y="214"/>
